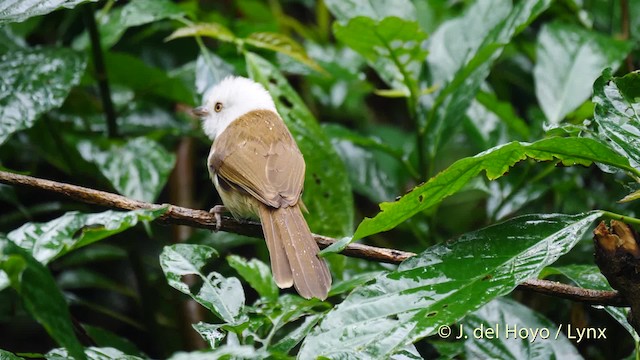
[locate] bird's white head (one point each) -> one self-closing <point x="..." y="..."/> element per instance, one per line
<point x="230" y="99"/>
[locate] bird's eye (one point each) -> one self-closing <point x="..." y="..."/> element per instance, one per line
<point x="218" y="107"/>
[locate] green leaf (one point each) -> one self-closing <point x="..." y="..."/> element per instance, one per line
<point x="40" y="295"/>
<point x="21" y="10"/>
<point x="452" y="102"/>
<point x="293" y="338"/>
<point x="105" y="338"/>
<point x="336" y="247"/>
<point x="138" y="168"/>
<point x="222" y="296"/>
<point x="34" y="82"/>
<point x="443" y="284"/>
<point x="93" y="353"/>
<point x="84" y="278"/>
<point x="130" y="71"/>
<point x="210" y="70"/>
<point x="374" y="166"/>
<point x="212" y="30"/>
<point x="210" y="333"/>
<point x="327" y="192"/>
<point x="344" y="10"/>
<point x="113" y="24"/>
<point x="223" y="352"/>
<point x="496" y="162"/>
<point x="392" y="46"/>
<point x="543" y="341"/>
<point x="569" y="59"/>
<point x="71" y="231"/>
<point x="616" y="114"/>
<point x="257" y="274"/>
<point x="505" y="112"/>
<point x="283" y="44"/>
<point x="590" y="277"/>
<point x="5" y="355"/>
<point x="351" y="283"/>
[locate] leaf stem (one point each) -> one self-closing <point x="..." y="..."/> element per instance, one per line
<point x="101" y="71"/>
<point x="623" y="218"/>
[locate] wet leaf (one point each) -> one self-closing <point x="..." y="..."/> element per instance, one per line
<point x="223" y="352"/>
<point x="83" y="278"/>
<point x="327" y="192"/>
<point x="351" y="283"/>
<point x="344" y="10"/>
<point x="293" y="338"/>
<point x="392" y="46"/>
<point x="472" y="62"/>
<point x="568" y="60"/>
<point x="443" y="284"/>
<point x="496" y="162"/>
<point x="543" y="341"/>
<point x="34" y="82"/>
<point x="40" y="295"/>
<point x="616" y="113"/>
<point x="105" y="338"/>
<point x="138" y="168"/>
<point x="210" y="333"/>
<point x="12" y="10"/>
<point x="257" y="274"/>
<point x="93" y="353"/>
<point x="73" y="230"/>
<point x="590" y="277"/>
<point x="222" y="296"/>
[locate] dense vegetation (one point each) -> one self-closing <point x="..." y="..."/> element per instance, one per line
<point x="493" y="135"/>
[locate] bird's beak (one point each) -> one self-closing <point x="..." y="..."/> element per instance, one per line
<point x="200" y="111"/>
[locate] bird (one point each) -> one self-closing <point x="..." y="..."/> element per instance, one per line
<point x="258" y="171"/>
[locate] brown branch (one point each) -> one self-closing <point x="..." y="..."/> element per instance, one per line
<point x="205" y="220"/>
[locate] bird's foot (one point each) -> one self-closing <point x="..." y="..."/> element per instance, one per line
<point x="216" y="211"/>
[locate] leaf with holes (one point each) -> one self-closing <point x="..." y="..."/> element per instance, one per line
<point x="222" y="296"/>
<point x="496" y="162"/>
<point x="443" y="284"/>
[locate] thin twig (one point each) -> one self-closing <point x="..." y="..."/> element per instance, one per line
<point x="203" y="219"/>
<point x="101" y="71"/>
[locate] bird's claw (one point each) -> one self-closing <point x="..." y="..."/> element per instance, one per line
<point x="216" y="211"/>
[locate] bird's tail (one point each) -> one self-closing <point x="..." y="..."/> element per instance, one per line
<point x="294" y="252"/>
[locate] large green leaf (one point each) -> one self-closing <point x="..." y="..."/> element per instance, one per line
<point x="590" y="277"/>
<point x="135" y="13"/>
<point x="34" y="82"/>
<point x="137" y="168"/>
<point x="132" y="72"/>
<point x="222" y="296"/>
<point x="452" y="102"/>
<point x="496" y="162"/>
<point x="392" y="46"/>
<point x="616" y="114"/>
<point x="443" y="284"/>
<point x="543" y="339"/>
<point x="327" y="192"/>
<point x="568" y="60"/>
<point x="20" y="10"/>
<point x="40" y="295"/>
<point x="5" y="355"/>
<point x="344" y="10"/>
<point x="229" y="351"/>
<point x="73" y="230"/>
<point x="257" y="274"/>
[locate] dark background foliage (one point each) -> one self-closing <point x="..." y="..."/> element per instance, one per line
<point x="456" y="118"/>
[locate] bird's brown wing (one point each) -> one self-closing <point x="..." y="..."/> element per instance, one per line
<point x="257" y="153"/>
